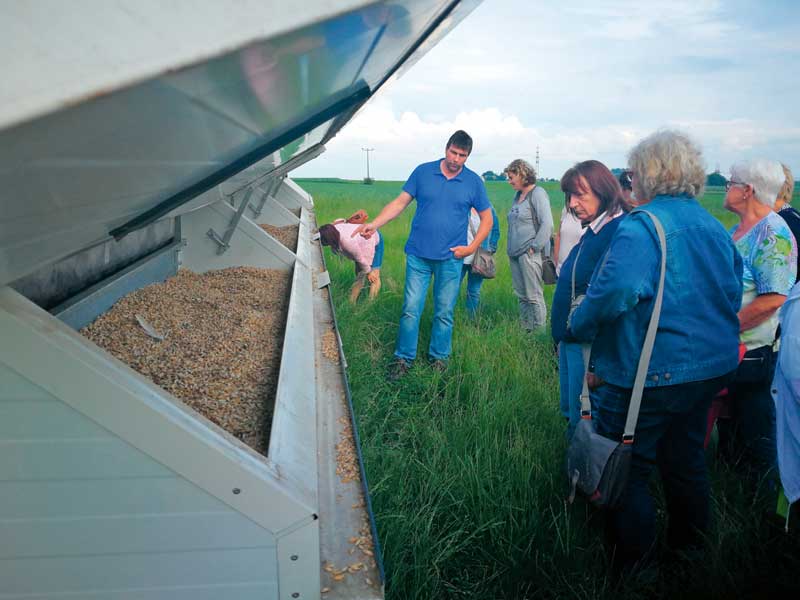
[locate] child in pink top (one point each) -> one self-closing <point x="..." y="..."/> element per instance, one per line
<point x="366" y="253"/>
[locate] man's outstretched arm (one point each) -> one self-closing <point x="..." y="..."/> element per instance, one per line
<point x="389" y="212"/>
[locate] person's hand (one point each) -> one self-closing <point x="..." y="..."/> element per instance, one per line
<point x="374" y="276"/>
<point x="593" y="381"/>
<point x="366" y="230"/>
<point x="461" y="251"/>
<point x="358" y="217"/>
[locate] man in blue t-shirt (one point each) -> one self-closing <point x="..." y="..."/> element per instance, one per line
<point x="445" y="191"/>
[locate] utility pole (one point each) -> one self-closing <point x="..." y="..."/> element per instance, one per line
<point x="538" y="173"/>
<point x="368" y="179"/>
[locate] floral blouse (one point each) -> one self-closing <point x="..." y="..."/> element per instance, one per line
<point x="770" y="265"/>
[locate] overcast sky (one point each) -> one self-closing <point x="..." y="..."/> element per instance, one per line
<point x="588" y="79"/>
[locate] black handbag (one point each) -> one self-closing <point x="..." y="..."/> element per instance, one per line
<point x="598" y="467"/>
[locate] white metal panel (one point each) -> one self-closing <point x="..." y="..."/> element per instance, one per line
<point x="293" y="439"/>
<point x="75" y="459"/>
<point x="298" y="563"/>
<point x="75" y="52"/>
<point x="88" y="379"/>
<point x="25" y="421"/>
<point x="292" y="196"/>
<point x="276" y="214"/>
<point x="82" y="512"/>
<point x="125" y="534"/>
<point x="52" y="576"/>
<point x="249" y="246"/>
<point x="133" y="496"/>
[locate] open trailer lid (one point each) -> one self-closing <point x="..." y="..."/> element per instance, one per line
<point x="115" y="114"/>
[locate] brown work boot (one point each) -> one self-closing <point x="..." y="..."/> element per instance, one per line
<point x="438" y="364"/>
<point x="397" y="369"/>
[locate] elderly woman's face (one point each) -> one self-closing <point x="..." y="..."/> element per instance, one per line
<point x="515" y="181"/>
<point x="584" y="202"/>
<point x="736" y="195"/>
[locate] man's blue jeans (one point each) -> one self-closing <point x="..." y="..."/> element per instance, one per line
<point x="474" y="283"/>
<point x="670" y="435"/>
<point x="446" y="282"/>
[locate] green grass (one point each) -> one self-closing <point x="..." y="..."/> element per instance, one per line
<point x="465" y="468"/>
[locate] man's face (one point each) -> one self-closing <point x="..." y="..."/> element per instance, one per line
<point x="454" y="159"/>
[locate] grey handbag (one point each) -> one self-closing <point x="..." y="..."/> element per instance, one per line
<point x="483" y="260"/>
<point x="598" y="467"/>
<point x="549" y="274"/>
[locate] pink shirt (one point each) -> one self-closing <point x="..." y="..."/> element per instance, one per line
<point x="358" y="249"/>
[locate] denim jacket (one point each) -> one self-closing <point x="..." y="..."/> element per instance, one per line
<point x="698" y="332"/>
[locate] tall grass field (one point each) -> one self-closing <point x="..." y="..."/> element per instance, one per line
<point x="466" y="467"/>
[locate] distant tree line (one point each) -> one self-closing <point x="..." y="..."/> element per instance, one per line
<point x="714" y="179"/>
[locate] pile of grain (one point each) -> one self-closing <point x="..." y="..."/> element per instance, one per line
<point x="223" y="337"/>
<point x="285" y="235"/>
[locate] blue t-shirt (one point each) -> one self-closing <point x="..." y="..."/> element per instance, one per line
<point x="443" y="206"/>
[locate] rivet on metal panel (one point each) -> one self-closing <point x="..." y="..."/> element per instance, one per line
<point x="294" y="557"/>
<point x="295" y="595"/>
<point x="237" y="491"/>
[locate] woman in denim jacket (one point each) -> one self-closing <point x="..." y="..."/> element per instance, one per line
<point x="695" y="350"/>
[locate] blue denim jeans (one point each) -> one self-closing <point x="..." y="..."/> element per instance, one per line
<point x="670" y="435"/>
<point x="571" y="370"/>
<point x="446" y="283"/>
<point x="474" y="283"/>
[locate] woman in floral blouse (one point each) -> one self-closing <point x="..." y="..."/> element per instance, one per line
<point x="770" y="264"/>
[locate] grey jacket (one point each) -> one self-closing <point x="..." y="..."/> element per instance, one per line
<point x="526" y="230"/>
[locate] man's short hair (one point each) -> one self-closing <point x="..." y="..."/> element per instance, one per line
<point x="460" y="139"/>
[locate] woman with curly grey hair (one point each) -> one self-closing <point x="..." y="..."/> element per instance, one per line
<point x="530" y="226"/>
<point x="695" y="349"/>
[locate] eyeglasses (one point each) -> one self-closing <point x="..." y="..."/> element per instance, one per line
<point x="731" y="183"/>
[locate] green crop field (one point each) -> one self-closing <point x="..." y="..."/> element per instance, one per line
<point x="466" y="467"/>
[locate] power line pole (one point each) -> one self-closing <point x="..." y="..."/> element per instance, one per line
<point x="538" y="173"/>
<point x="368" y="180"/>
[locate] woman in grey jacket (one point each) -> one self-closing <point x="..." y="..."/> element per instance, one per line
<point x="530" y="226"/>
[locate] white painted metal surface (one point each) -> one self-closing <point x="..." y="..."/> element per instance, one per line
<point x="107" y="483"/>
<point x="137" y="102"/>
<point x="251" y="246"/>
<point x="76" y="52"/>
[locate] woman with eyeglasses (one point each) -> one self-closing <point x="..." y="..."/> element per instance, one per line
<point x="770" y="266"/>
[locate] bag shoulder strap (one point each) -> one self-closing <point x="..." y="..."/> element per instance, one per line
<point x="647" y="347"/>
<point x="536" y="222"/>
<point x="575" y="266"/>
<point x="471" y="226"/>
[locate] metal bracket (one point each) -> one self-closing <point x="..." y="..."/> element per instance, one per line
<point x="273" y="186"/>
<point x="224" y="241"/>
<point x="323" y="278"/>
<point x="220" y="242"/>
